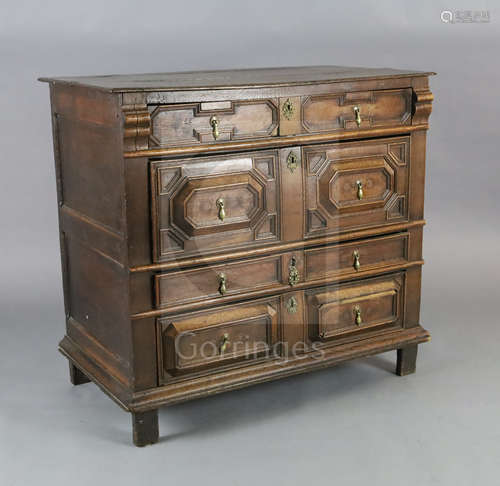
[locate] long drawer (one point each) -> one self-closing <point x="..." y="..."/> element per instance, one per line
<point x="275" y="272"/>
<point x="182" y="124"/>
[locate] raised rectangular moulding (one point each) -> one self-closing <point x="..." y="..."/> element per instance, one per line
<point x="212" y="122"/>
<point x="226" y="335"/>
<point x="345" y="310"/>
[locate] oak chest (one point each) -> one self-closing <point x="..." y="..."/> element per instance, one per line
<point x="220" y="229"/>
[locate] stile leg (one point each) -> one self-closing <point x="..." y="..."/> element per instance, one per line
<point x="145" y="427"/>
<point x="407" y="360"/>
<point x="76" y="376"/>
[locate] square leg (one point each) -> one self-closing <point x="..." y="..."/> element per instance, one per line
<point x="407" y="360"/>
<point x="145" y="427"/>
<point x="76" y="376"/>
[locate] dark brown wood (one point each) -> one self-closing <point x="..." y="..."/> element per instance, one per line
<point x="333" y="174"/>
<point x="145" y="427"/>
<point x="76" y="376"/>
<point x="235" y="77"/>
<point x="242" y="332"/>
<point x="406" y="360"/>
<point x="186" y="215"/>
<point x="356" y="309"/>
<point x="171" y="296"/>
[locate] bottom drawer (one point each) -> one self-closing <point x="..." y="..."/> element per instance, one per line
<point x="342" y="310"/>
<point x="206" y="339"/>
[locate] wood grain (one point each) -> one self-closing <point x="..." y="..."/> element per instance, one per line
<point x="144" y="244"/>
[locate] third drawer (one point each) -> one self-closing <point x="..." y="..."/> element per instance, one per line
<point x="276" y="272"/>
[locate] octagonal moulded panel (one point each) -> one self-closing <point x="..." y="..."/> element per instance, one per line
<point x="334" y="173"/>
<point x="187" y="218"/>
<point x="375" y="175"/>
<point x="195" y="207"/>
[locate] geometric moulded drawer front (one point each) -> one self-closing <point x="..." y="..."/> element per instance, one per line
<point x="227" y="335"/>
<point x="356" y="184"/>
<point x="209" y="204"/>
<point x="347" y="310"/>
<point x="213" y="122"/>
<point x="374" y="109"/>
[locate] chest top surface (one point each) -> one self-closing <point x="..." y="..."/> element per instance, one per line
<point x="223" y="79"/>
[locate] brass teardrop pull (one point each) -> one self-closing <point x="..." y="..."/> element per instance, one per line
<point x="222" y="284"/>
<point x="356" y="264"/>
<point x="224" y="343"/>
<point x="220" y="205"/>
<point x="357" y="313"/>
<point x="214" y="123"/>
<point x="357" y="115"/>
<point x="359" y="193"/>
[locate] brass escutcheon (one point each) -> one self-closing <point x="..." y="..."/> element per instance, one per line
<point x="292" y="305"/>
<point x="292" y="161"/>
<point x="288" y="109"/>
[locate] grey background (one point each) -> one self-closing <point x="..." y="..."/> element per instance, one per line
<point x="357" y="423"/>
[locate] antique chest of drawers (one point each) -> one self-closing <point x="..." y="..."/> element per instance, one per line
<point x="220" y="229"/>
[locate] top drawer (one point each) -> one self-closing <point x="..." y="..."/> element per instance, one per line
<point x="353" y="111"/>
<point x="218" y="121"/>
<point x="191" y="124"/>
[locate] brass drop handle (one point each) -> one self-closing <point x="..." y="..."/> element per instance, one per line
<point x="222" y="284"/>
<point x="293" y="273"/>
<point x="357" y="115"/>
<point x="360" y="194"/>
<point x="214" y="123"/>
<point x="220" y="205"/>
<point x="356" y="263"/>
<point x="224" y="342"/>
<point x="357" y="313"/>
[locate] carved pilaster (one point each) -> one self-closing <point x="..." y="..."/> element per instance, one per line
<point x="137" y="127"/>
<point x="422" y="105"/>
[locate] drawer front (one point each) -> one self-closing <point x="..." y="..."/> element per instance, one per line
<point x="352" y="258"/>
<point x="371" y="109"/>
<point x="354" y="110"/>
<point x="231" y="334"/>
<point x="212" y="122"/>
<point x="355" y="185"/>
<point x="339" y="311"/>
<point x="209" y="204"/>
<point x="221" y="280"/>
